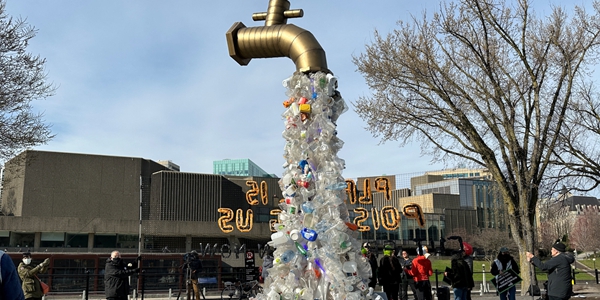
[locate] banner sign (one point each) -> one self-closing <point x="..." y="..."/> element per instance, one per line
<point x="506" y="280"/>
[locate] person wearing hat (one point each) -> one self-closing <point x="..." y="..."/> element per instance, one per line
<point x="420" y="271"/>
<point x="389" y="272"/>
<point x="10" y="285"/>
<point x="559" y="271"/>
<point x="503" y="262"/>
<point x="32" y="288"/>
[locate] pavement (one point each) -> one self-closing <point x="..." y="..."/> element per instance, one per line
<point x="585" y="291"/>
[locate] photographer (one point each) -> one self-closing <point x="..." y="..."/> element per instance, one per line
<point x="193" y="267"/>
<point x="32" y="288"/>
<point x="116" y="286"/>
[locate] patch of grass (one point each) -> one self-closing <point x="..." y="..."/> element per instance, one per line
<point x="440" y="265"/>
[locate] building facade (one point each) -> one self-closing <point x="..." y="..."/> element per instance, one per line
<point x="238" y="167"/>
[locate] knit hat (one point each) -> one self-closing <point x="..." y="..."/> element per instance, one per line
<point x="27" y="254"/>
<point x="560" y="247"/>
<point x="388" y="249"/>
<point x="503" y="249"/>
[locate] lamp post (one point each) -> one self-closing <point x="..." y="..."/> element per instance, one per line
<point x="594" y="260"/>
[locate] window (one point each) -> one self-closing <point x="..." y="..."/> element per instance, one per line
<point x="77" y="240"/>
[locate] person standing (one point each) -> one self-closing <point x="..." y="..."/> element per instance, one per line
<point x="559" y="272"/>
<point x="32" y="288"/>
<point x="10" y="284"/>
<point x="116" y="285"/>
<point x="469" y="260"/>
<point x="407" y="280"/>
<point x="502" y="263"/>
<point x="420" y="271"/>
<point x="460" y="276"/>
<point x="195" y="268"/>
<point x="370" y="256"/>
<point x="389" y="272"/>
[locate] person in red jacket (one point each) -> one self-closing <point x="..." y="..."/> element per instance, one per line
<point x="420" y="270"/>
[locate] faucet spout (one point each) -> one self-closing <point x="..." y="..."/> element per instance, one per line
<point x="277" y="39"/>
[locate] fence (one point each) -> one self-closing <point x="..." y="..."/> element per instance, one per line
<point x="156" y="282"/>
<point x="144" y="282"/>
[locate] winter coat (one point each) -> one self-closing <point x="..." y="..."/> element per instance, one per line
<point x="389" y="271"/>
<point x="504" y="263"/>
<point x="421" y="269"/>
<point x="374" y="268"/>
<point x="195" y="266"/>
<point x="30" y="283"/>
<point x="469" y="260"/>
<point x="10" y="285"/>
<point x="460" y="274"/>
<point x="559" y="274"/>
<point x="115" y="278"/>
<point x="406" y="264"/>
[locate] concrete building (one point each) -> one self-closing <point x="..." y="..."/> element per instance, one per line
<point x="70" y="202"/>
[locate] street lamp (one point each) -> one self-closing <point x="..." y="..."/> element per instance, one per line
<point x="594" y="260"/>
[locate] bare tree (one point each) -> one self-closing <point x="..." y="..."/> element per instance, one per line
<point x="486" y="82"/>
<point x="584" y="234"/>
<point x="22" y="80"/>
<point x="578" y="153"/>
<point x="491" y="240"/>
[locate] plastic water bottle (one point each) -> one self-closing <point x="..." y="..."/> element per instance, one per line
<point x="287" y="256"/>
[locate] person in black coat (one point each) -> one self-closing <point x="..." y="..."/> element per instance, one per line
<point x="460" y="276"/>
<point x="559" y="271"/>
<point x="372" y="262"/>
<point x="389" y="272"/>
<point x="194" y="264"/>
<point x="116" y="285"/>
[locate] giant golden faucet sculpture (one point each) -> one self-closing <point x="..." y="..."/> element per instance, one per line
<point x="277" y="39"/>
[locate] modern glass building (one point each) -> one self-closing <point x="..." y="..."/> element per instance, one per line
<point x="238" y="167"/>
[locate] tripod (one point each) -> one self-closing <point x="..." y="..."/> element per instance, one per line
<point x="191" y="284"/>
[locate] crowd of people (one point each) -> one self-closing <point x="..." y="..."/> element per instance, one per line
<point x="396" y="275"/>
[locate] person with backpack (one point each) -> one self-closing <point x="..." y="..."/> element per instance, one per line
<point x="10" y="285"/>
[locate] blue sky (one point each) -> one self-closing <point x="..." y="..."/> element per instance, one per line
<point x="153" y="79"/>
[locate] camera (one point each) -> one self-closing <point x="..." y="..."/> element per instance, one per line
<point x="190" y="256"/>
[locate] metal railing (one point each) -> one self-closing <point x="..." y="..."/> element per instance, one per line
<point x="144" y="282"/>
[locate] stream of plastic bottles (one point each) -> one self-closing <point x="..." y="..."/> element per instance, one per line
<point x="317" y="255"/>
